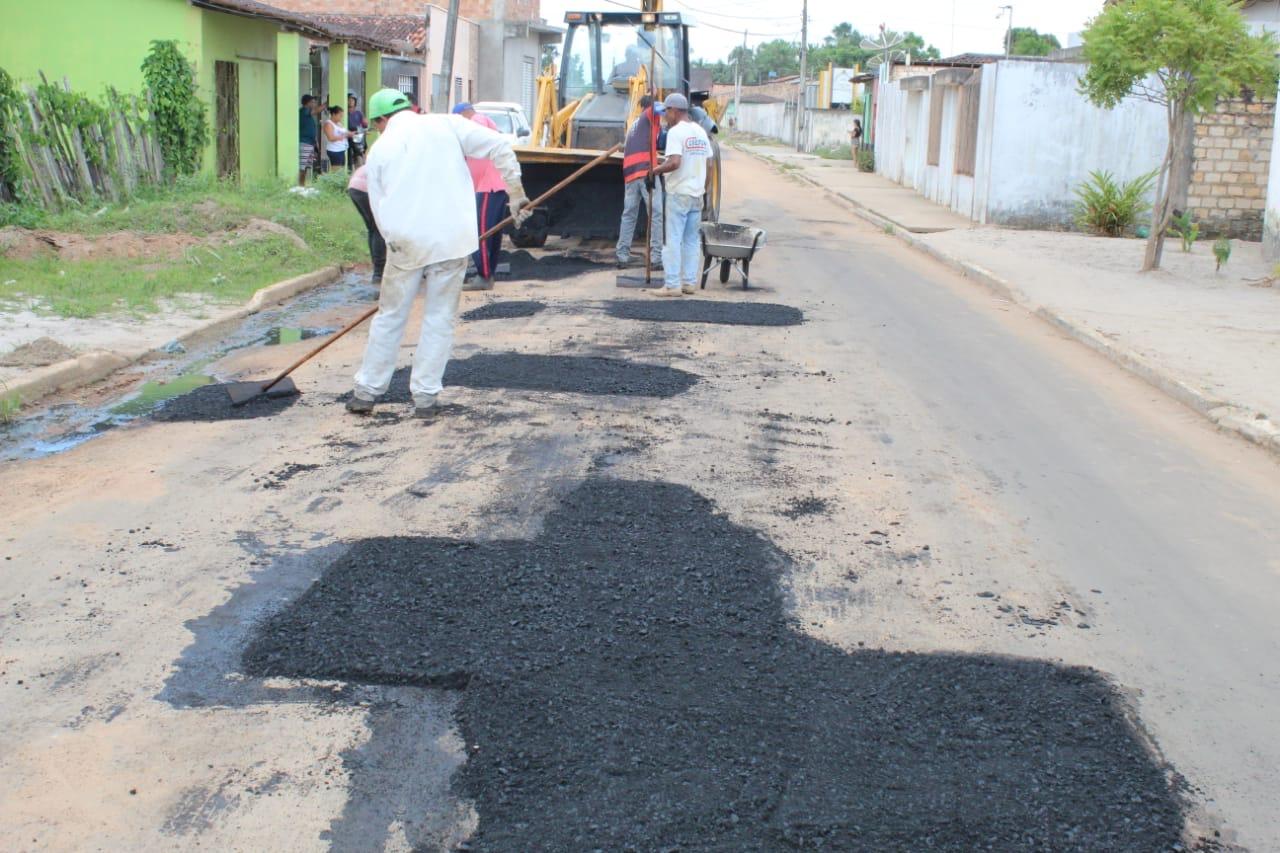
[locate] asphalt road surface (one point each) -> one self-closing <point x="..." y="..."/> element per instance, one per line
<point x="915" y="573"/>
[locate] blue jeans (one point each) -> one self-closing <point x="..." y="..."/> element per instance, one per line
<point x="682" y="254"/>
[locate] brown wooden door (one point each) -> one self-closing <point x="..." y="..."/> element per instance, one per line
<point x="226" y="77"/>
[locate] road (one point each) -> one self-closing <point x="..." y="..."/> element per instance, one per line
<point x="959" y="580"/>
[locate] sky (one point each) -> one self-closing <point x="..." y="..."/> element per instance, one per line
<point x="953" y="26"/>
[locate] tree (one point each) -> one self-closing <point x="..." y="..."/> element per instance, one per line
<point x="1024" y="41"/>
<point x="1181" y="54"/>
<point x="916" y="45"/>
<point x="780" y="57"/>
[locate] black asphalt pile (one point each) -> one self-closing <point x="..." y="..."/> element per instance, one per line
<point x="211" y="403"/>
<point x="632" y="680"/>
<point x="705" y="311"/>
<point x="504" y="310"/>
<point x="549" y="267"/>
<point x="571" y="374"/>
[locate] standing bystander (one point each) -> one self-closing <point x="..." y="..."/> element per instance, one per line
<point x="358" y="126"/>
<point x="308" y="136"/>
<point x="337" y="139"/>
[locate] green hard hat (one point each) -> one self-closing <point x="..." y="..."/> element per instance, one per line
<point x="387" y="101"/>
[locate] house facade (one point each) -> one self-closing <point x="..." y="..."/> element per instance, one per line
<point x="498" y="47"/>
<point x="253" y="63"/>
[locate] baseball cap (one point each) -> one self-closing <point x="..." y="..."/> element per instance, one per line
<point x="676" y="101"/>
<point x="462" y="108"/>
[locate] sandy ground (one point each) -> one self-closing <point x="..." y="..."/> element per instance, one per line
<point x="946" y="476"/>
<point x="1217" y="331"/>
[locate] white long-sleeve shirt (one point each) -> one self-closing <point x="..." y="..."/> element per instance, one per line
<point x="420" y="187"/>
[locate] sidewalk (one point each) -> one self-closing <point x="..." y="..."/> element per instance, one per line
<point x="1212" y="340"/>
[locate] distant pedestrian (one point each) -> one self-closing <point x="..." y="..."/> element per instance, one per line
<point x="688" y="150"/>
<point x="358" y="190"/>
<point x="337" y="139"/>
<point x="308" y="137"/>
<point x="640" y="156"/>
<point x="855" y="136"/>
<point x="358" y="125"/>
<point x="491" y="201"/>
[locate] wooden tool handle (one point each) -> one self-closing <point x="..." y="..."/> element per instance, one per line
<point x="486" y="235"/>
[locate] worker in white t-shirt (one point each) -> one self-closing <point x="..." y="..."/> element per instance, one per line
<point x="688" y="150"/>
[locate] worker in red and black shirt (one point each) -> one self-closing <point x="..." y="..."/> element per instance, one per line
<point x="640" y="156"/>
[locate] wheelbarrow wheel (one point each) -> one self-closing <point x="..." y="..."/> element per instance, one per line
<point x="725" y="266"/>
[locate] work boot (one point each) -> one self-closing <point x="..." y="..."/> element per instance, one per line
<point x="424" y="405"/>
<point x="688" y="289"/>
<point x="667" y="291"/>
<point x="358" y="405"/>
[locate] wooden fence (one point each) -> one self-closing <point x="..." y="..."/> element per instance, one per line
<point x="71" y="150"/>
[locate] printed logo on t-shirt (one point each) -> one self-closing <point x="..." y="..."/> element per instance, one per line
<point x="696" y="146"/>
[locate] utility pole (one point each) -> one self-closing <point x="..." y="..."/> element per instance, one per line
<point x="1008" y="34"/>
<point x="804" y="57"/>
<point x="440" y="92"/>
<point x="737" y="85"/>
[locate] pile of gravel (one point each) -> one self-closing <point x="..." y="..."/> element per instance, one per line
<point x="705" y="311"/>
<point x="632" y="680"/>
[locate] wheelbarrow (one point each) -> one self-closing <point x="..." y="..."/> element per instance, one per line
<point x="733" y="246"/>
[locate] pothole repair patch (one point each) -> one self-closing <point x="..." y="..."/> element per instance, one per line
<point x="705" y="311"/>
<point x="212" y="403"/>
<point x="633" y="680"/>
<point x="570" y="374"/>
<point x="509" y="310"/>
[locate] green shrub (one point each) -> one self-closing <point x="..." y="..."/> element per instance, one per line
<point x="1105" y="206"/>
<point x="835" y="152"/>
<point x="867" y="159"/>
<point x="1183" y="228"/>
<point x="181" y="119"/>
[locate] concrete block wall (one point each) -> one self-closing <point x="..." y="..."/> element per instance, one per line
<point x="1232" y="161"/>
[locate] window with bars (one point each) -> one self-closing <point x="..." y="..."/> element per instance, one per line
<point x="526" y="86"/>
<point x="935" y="123"/>
<point x="967" y="125"/>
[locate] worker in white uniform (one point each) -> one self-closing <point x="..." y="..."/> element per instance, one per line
<point x="424" y="203"/>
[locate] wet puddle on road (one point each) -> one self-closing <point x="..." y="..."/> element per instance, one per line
<point x="170" y="373"/>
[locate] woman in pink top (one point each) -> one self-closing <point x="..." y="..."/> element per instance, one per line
<point x="358" y="190"/>
<point x="491" y="200"/>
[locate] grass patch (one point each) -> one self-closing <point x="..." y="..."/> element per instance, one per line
<point x="329" y="224"/>
<point x="835" y="152"/>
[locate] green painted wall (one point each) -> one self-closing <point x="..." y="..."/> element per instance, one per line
<point x="91" y="42"/>
<point x="289" y="52"/>
<point x="251" y="44"/>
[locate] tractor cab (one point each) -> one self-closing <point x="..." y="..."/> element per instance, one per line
<point x="604" y="54"/>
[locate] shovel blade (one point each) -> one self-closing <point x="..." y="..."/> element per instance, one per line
<point x="242" y="392"/>
<point x="637" y="281"/>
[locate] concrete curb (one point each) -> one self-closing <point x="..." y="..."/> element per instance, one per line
<point x="93" y="366"/>
<point x="1226" y="415"/>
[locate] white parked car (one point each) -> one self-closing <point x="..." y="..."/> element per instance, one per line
<point x="509" y="117"/>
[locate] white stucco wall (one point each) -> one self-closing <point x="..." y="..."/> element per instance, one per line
<point x="1047" y="138"/>
<point x="1271" y="217"/>
<point x="1038" y="139"/>
<point x="1264" y="14"/>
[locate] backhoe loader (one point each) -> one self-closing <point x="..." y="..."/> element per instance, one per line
<point x="608" y="61"/>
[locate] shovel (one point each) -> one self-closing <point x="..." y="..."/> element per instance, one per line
<point x="282" y="386"/>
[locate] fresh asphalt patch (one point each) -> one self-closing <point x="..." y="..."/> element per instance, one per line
<point x="549" y="267"/>
<point x="212" y="403"/>
<point x="705" y="311"/>
<point x="632" y="680"/>
<point x="509" y="310"/>
<point x="570" y="374"/>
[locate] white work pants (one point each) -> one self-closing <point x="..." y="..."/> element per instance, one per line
<point x="435" y="341"/>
